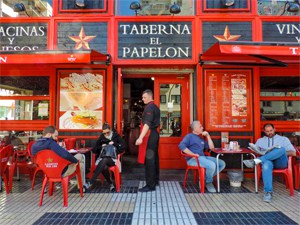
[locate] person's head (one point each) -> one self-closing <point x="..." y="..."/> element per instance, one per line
<point x="106" y="129"/>
<point x="50" y="132"/>
<point x="269" y="130"/>
<point x="196" y="127"/>
<point x="147" y="96"/>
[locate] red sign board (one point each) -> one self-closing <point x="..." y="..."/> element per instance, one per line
<point x="228" y="99"/>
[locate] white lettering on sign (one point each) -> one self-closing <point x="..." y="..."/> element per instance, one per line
<point x="145" y="29"/>
<point x="51" y="165"/>
<point x="20" y="31"/>
<point x="155" y="52"/>
<point x="295" y="50"/>
<point x="3" y="59"/>
<point x="289" y="29"/>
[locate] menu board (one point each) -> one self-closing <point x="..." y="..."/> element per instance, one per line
<point x="228" y="100"/>
<point x="81" y="100"/>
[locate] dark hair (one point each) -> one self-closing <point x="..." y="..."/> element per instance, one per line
<point x="49" y="129"/>
<point x="269" y="125"/>
<point x="106" y="126"/>
<point x="149" y="92"/>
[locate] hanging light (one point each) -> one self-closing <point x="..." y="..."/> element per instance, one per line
<point x="80" y="4"/>
<point x="20" y="7"/>
<point x="292" y="7"/>
<point x="229" y="3"/>
<point x="135" y="6"/>
<point x="175" y="9"/>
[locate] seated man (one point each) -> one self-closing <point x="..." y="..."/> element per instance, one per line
<point x="194" y="145"/>
<point x="48" y="141"/>
<point x="108" y="137"/>
<point x="277" y="158"/>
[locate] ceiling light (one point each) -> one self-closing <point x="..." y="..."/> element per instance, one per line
<point x="135" y="6"/>
<point x="175" y="9"/>
<point x="80" y="4"/>
<point x="293" y="7"/>
<point x="229" y="3"/>
<point x="19" y="7"/>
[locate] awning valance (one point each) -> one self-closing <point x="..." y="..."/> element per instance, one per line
<point x="252" y="53"/>
<point x="53" y="56"/>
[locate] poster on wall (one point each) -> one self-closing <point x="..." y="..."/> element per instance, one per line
<point x="81" y="100"/>
<point x="228" y="100"/>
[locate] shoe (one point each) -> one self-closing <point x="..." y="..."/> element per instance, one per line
<point x="112" y="188"/>
<point x="210" y="187"/>
<point x="256" y="149"/>
<point x="157" y="183"/>
<point x="267" y="197"/>
<point x="146" y="189"/>
<point x="250" y="163"/>
<point x="89" y="186"/>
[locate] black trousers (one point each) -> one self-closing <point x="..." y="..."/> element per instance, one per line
<point x="152" y="160"/>
<point x="102" y="167"/>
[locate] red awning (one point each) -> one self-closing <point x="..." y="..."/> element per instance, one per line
<point x="252" y="53"/>
<point x="53" y="56"/>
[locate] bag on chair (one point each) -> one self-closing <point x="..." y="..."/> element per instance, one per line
<point x="108" y="151"/>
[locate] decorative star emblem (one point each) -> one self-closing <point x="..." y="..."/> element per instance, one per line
<point x="50" y="160"/>
<point x="81" y="40"/>
<point x="227" y="36"/>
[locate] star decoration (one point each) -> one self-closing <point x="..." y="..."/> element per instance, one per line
<point x="227" y="36"/>
<point x="81" y="40"/>
<point x="50" y="160"/>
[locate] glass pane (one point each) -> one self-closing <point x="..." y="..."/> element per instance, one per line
<point x="275" y="8"/>
<point x="24" y="110"/>
<point x="90" y="4"/>
<point x="170" y="121"/>
<point x="35" y="8"/>
<point x="280" y="86"/>
<point x="19" y="139"/>
<point x="15" y="86"/>
<point x="280" y="110"/>
<point x="154" y="7"/>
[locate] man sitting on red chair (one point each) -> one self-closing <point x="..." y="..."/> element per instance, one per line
<point x="49" y="141"/>
<point x="277" y="158"/>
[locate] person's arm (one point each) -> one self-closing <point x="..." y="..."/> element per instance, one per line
<point x="62" y="152"/>
<point x="142" y="134"/>
<point x="187" y="151"/>
<point x="209" y="140"/>
<point x="119" y="143"/>
<point x="290" y="149"/>
<point x="96" y="149"/>
<point x="184" y="146"/>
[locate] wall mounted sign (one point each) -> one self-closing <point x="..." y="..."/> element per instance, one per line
<point x="155" y="40"/>
<point x="81" y="100"/>
<point x="281" y="31"/>
<point x="23" y="36"/>
<point x="228" y="97"/>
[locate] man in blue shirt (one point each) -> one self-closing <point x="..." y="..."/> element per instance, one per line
<point x="277" y="158"/>
<point x="193" y="144"/>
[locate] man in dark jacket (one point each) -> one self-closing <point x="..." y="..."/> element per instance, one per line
<point x="108" y="137"/>
<point x="48" y="141"/>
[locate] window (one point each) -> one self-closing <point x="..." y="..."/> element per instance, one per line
<point x="176" y="98"/>
<point x="162" y="99"/>
<point x="274" y="8"/>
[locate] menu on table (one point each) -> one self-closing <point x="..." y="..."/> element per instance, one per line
<point x="228" y="100"/>
<point x="81" y="100"/>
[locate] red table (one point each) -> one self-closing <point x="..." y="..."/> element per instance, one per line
<point x="242" y="151"/>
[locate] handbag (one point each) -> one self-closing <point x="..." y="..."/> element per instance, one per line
<point x="108" y="151"/>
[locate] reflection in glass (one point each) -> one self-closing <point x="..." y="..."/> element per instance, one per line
<point x="24" y="110"/>
<point x="36" y="8"/>
<point x="19" y="139"/>
<point x="170" y="124"/>
<point x="280" y="110"/>
<point x="275" y="8"/>
<point x="89" y="4"/>
<point x="24" y="86"/>
<point x="154" y="7"/>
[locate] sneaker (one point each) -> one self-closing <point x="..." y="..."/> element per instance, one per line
<point x="89" y="186"/>
<point x="256" y="149"/>
<point x="112" y="188"/>
<point x="267" y="197"/>
<point x="249" y="163"/>
<point x="210" y="187"/>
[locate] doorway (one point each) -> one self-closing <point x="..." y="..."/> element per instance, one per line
<point x="172" y="96"/>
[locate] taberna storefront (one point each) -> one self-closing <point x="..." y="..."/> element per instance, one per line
<point x="80" y="68"/>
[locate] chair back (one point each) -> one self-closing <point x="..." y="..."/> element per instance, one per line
<point x="5" y="154"/>
<point x="29" y="148"/>
<point x="51" y="163"/>
<point x="70" y="143"/>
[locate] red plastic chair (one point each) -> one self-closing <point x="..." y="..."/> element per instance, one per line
<point x="52" y="166"/>
<point x="70" y="143"/>
<point x="6" y="168"/>
<point x="297" y="167"/>
<point x="33" y="164"/>
<point x="195" y="169"/>
<point x="287" y="172"/>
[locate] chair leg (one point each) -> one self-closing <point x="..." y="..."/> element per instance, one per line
<point x="51" y="188"/>
<point x="117" y="179"/>
<point x="297" y="174"/>
<point x="185" y="177"/>
<point x="43" y="189"/>
<point x="290" y="182"/>
<point x="79" y="180"/>
<point x="202" y="180"/>
<point x="65" y="183"/>
<point x="11" y="171"/>
<point x="33" y="179"/>
<point x="7" y="188"/>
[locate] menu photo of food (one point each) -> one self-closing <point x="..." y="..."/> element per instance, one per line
<point x="239" y="107"/>
<point x="81" y="120"/>
<point x="81" y="92"/>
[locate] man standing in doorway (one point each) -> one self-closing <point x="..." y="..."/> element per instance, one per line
<point x="148" y="142"/>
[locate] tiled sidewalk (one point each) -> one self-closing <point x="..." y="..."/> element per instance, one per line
<point x="171" y="203"/>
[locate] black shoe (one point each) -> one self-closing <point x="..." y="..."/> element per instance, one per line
<point x="146" y="189"/>
<point x="112" y="188"/>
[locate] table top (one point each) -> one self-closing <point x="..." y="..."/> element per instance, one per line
<point x="226" y="151"/>
<point x="80" y="150"/>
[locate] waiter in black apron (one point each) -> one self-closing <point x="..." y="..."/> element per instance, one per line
<point x="148" y="142"/>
